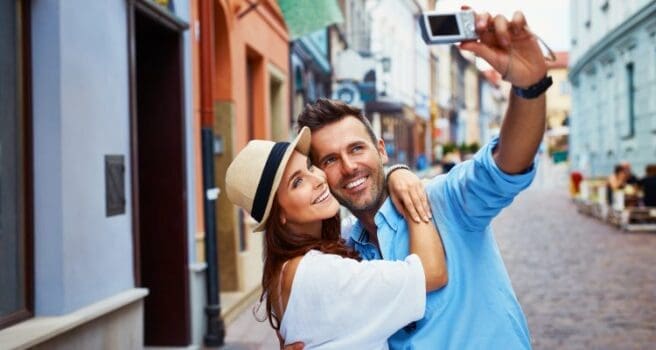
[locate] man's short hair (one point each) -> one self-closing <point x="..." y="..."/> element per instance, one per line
<point x="325" y="111"/>
<point x="650" y="170"/>
<point x="619" y="168"/>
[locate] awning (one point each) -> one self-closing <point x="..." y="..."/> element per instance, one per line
<point x="306" y="16"/>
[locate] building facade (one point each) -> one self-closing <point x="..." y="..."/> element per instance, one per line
<point x="98" y="216"/>
<point x="493" y="103"/>
<point x="248" y="87"/>
<point x="558" y="108"/>
<point x="394" y="40"/>
<point x="613" y="80"/>
<point x="312" y="70"/>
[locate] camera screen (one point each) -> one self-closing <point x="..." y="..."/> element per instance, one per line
<point x="443" y="25"/>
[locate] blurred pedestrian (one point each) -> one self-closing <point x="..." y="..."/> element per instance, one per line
<point x="616" y="182"/>
<point x="648" y="185"/>
<point x="312" y="280"/>
<point x="630" y="178"/>
<point x="575" y="179"/>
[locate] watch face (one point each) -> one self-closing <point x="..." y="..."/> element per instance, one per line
<point x="441" y="25"/>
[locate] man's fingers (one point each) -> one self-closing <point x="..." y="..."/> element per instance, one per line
<point x="485" y="29"/>
<point x="501" y="30"/>
<point x="481" y="50"/>
<point x="519" y="21"/>
<point x="482" y="22"/>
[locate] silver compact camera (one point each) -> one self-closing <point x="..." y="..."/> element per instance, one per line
<point x="449" y="27"/>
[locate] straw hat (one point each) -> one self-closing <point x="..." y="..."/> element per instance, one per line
<point x="253" y="176"/>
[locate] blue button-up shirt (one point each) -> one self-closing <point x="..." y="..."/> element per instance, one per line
<point x="478" y="308"/>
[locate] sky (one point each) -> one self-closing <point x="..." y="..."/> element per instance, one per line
<point x="549" y="19"/>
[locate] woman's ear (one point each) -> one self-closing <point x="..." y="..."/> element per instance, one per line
<point x="283" y="219"/>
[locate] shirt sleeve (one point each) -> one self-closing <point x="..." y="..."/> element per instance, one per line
<point x="367" y="300"/>
<point x="477" y="190"/>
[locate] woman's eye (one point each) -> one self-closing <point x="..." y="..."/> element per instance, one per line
<point x="297" y="181"/>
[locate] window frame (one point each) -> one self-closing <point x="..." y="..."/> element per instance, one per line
<point x="25" y="77"/>
<point x="630" y="97"/>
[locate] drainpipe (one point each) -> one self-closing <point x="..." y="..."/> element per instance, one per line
<point x="215" y="332"/>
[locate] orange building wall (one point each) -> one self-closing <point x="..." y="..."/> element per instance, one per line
<point x="260" y="33"/>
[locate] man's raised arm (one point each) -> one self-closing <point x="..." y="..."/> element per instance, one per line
<point x="511" y="49"/>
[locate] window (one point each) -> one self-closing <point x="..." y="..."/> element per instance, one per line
<point x="15" y="163"/>
<point x="250" y="91"/>
<point x="588" y="20"/>
<point x="630" y="99"/>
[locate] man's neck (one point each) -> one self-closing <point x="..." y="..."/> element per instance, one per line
<point x="368" y="220"/>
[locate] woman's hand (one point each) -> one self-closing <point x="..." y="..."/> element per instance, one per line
<point x="408" y="195"/>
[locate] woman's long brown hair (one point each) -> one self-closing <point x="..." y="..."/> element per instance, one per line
<point x="280" y="246"/>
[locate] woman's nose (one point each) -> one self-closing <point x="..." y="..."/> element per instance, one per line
<point x="318" y="178"/>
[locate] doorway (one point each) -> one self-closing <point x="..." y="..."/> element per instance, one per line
<point x="158" y="177"/>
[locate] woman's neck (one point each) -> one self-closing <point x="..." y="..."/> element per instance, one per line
<point x="312" y="229"/>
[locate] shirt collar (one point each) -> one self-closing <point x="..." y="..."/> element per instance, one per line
<point x="386" y="215"/>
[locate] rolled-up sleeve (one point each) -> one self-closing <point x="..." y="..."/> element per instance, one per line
<point x="477" y="190"/>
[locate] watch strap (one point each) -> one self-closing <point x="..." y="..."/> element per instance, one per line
<point x="534" y="90"/>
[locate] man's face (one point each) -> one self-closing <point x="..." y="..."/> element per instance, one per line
<point x="352" y="163"/>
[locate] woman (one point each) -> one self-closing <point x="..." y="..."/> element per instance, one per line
<point x="315" y="287"/>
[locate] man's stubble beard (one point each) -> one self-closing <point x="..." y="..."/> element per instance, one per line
<point x="378" y="194"/>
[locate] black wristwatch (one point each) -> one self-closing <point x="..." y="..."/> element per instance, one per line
<point x="534" y="90"/>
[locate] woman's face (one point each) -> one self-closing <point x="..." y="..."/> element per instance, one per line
<point x="304" y="196"/>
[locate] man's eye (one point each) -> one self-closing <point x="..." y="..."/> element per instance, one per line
<point x="357" y="148"/>
<point x="328" y="161"/>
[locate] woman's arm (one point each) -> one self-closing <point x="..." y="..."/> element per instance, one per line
<point x="425" y="241"/>
<point x="410" y="199"/>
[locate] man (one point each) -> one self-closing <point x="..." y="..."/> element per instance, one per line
<point x="631" y="179"/>
<point x="478" y="308"/>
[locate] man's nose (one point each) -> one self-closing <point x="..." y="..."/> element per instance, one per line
<point x="348" y="166"/>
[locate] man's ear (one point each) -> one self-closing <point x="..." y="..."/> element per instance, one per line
<point x="382" y="151"/>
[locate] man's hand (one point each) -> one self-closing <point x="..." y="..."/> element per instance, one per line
<point x="514" y="52"/>
<point x="408" y="195"/>
<point x="509" y="47"/>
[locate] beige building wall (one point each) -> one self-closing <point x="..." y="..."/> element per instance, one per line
<point x="471" y="105"/>
<point x="559" y="102"/>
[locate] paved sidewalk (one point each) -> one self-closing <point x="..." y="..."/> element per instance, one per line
<point x="246" y="333"/>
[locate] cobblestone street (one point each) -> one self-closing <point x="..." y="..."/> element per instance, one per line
<point x="583" y="284"/>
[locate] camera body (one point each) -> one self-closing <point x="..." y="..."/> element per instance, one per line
<point x="448" y="27"/>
